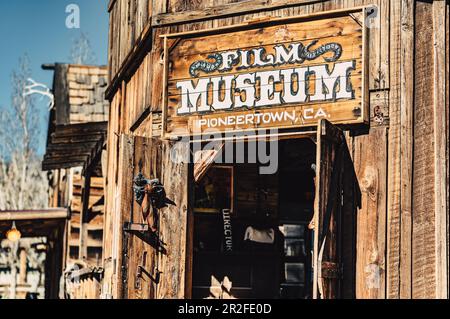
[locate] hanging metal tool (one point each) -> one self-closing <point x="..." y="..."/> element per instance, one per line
<point x="151" y="196"/>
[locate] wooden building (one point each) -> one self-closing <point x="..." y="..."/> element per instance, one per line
<point x="358" y="205"/>
<point x="31" y="266"/>
<point x="76" y="140"/>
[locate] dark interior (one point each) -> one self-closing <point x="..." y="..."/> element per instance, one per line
<point x="275" y="260"/>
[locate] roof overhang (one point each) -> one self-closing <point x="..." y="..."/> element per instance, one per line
<point x="33" y="223"/>
<point x="75" y="145"/>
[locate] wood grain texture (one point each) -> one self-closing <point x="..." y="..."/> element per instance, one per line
<point x="84" y="215"/>
<point x="123" y="197"/>
<point x="173" y="220"/>
<point x="424" y="225"/>
<point x="406" y="144"/>
<point x="147" y="159"/>
<point x="447" y="116"/>
<point x="332" y="225"/>
<point x="379" y="57"/>
<point x="369" y="156"/>
<point x="224" y="10"/>
<point x="440" y="101"/>
<point x="120" y="201"/>
<point x="393" y="173"/>
<point x="109" y="249"/>
<point x="61" y="93"/>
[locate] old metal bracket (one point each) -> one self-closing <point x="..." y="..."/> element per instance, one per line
<point x="135" y="228"/>
<point x="331" y="270"/>
<point x="143" y="232"/>
<point x="142" y="271"/>
<point x="96" y="272"/>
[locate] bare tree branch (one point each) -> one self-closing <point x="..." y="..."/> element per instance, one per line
<point x="81" y="52"/>
<point x="40" y="89"/>
<point x="22" y="183"/>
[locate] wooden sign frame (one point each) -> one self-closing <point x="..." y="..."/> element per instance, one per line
<point x="358" y="14"/>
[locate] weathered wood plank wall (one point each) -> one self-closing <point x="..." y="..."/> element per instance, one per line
<point x="140" y="253"/>
<point x="173" y="220"/>
<point x="370" y="168"/>
<point x="440" y="139"/>
<point x="402" y="161"/>
<point x="424" y="258"/>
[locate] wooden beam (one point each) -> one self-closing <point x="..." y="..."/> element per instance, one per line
<point x="23" y="267"/>
<point x="111" y="5"/>
<point x="400" y="151"/>
<point x="72" y="148"/>
<point x="84" y="217"/>
<point x="173" y="220"/>
<point x="393" y="166"/>
<point x="63" y="162"/>
<point x="67" y="156"/>
<point x="259" y="23"/>
<point x="121" y="213"/>
<point x="131" y="63"/>
<point x="80" y="129"/>
<point x="189" y="262"/>
<point x="165" y="88"/>
<point x="225" y="10"/>
<point x="54" y="166"/>
<point x="51" y="213"/>
<point x="61" y="93"/>
<point x="77" y="139"/>
<point x="140" y="119"/>
<point x="94" y="212"/>
<point x="95" y="157"/>
<point x="440" y="148"/>
<point x="425" y="224"/>
<point x="447" y="116"/>
<point x="406" y="145"/>
<point x="369" y="156"/>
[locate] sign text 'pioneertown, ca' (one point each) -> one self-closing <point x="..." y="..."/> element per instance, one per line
<point x="283" y="75"/>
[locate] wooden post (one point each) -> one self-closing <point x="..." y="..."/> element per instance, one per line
<point x="370" y="153"/>
<point x="440" y="147"/>
<point x="84" y="216"/>
<point x="401" y="99"/>
<point x="13" y="282"/>
<point x="165" y="89"/>
<point x="122" y="206"/>
<point x="23" y="267"/>
<point x="55" y="186"/>
<point x="189" y="235"/>
<point x="406" y="144"/>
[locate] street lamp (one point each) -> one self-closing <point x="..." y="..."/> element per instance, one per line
<point x="13" y="234"/>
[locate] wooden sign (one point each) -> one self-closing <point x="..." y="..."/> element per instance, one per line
<point x="283" y="74"/>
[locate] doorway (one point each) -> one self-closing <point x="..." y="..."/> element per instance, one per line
<point x="251" y="230"/>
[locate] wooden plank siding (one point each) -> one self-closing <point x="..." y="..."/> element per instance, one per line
<point x="369" y="154"/>
<point x="401" y="161"/>
<point x="112" y="231"/>
<point x="440" y="139"/>
<point x="424" y="279"/>
<point x="173" y="220"/>
<point x="406" y="143"/>
<point x="447" y="142"/>
<point x="139" y="254"/>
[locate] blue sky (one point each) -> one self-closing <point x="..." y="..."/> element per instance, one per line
<point x="38" y="28"/>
